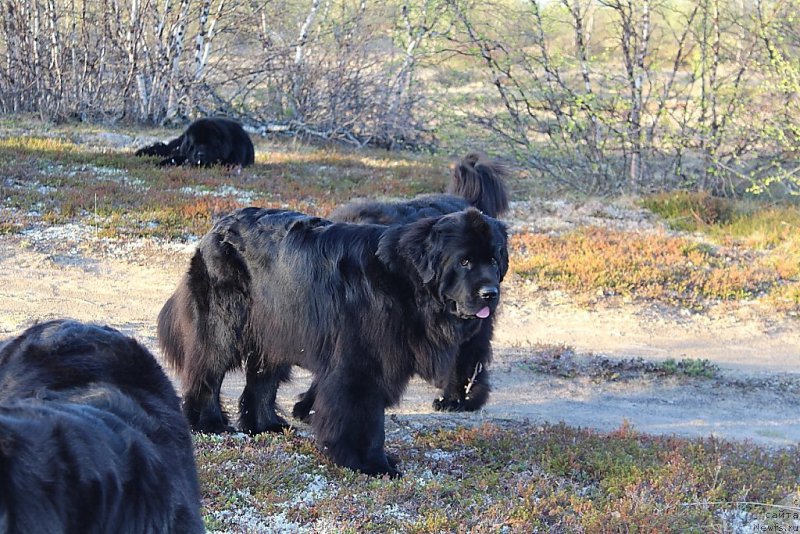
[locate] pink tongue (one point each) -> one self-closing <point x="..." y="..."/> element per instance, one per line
<point x="484" y="313"/>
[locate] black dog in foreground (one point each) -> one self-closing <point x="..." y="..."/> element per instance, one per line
<point x="91" y="436"/>
<point x="206" y="142"/>
<point x="477" y="182"/>
<point x="364" y="307"/>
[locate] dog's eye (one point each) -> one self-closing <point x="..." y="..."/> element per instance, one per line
<point x="465" y="262"/>
<point x="494" y="262"/>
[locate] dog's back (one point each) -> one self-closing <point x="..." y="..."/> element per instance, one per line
<point x="93" y="439"/>
<point x="476" y="182"/>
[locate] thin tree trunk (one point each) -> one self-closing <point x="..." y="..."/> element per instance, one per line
<point x="176" y="52"/>
<point x="211" y="33"/>
<point x="199" y="43"/>
<point x="581" y="49"/>
<point x="402" y="81"/>
<point x="298" y="78"/>
<point x="57" y="74"/>
<point x="640" y="71"/>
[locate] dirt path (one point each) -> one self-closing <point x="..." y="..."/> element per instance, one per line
<point x="67" y="272"/>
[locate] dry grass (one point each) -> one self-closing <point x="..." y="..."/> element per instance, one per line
<point x="670" y="269"/>
<point x="62" y="182"/>
<point x="772" y="230"/>
<point x="761" y="226"/>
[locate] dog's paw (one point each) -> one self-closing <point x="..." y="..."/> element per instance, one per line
<point x="456" y="404"/>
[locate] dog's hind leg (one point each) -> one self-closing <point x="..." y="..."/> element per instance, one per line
<point x="209" y="355"/>
<point x="257" y="403"/>
<point x="201" y="403"/>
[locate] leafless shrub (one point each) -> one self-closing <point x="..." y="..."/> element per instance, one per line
<point x="630" y="95"/>
<point x="329" y="69"/>
<point x="600" y="96"/>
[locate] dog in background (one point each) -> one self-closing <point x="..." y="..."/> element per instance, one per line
<point x="206" y="142"/>
<point x="364" y="307"/>
<point x="92" y="438"/>
<point x="476" y="182"/>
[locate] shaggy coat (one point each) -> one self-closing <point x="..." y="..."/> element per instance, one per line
<point x="477" y="182"/>
<point x="206" y="142"/>
<point x="363" y="307"/>
<point x="92" y="438"/>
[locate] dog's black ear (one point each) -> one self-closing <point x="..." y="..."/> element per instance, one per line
<point x="411" y="245"/>
<point x="500" y="234"/>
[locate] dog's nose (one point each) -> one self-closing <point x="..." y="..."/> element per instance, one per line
<point x="488" y="292"/>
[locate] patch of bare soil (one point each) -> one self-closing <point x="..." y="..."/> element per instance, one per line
<point x="554" y="360"/>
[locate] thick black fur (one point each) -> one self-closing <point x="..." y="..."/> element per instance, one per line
<point x="364" y="307"/>
<point x="92" y="438"/>
<point x="206" y="142"/>
<point x="477" y="182"/>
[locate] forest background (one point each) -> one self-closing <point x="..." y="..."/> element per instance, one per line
<point x="603" y="96"/>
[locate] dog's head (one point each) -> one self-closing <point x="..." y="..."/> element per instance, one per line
<point x="203" y="144"/>
<point x="461" y="258"/>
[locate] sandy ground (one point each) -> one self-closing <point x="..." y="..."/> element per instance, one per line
<point x="66" y="271"/>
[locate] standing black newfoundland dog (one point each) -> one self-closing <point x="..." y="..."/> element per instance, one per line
<point x="92" y="438"/>
<point x="478" y="182"/>
<point x="206" y="142"/>
<point x="364" y="307"/>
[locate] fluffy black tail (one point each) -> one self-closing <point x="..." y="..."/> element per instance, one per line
<point x="170" y="334"/>
<point x="480" y="182"/>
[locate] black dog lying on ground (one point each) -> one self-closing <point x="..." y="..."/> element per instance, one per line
<point x="206" y="142"/>
<point x="91" y="436"/>
<point x="477" y="182"/>
<point x="364" y="307"/>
